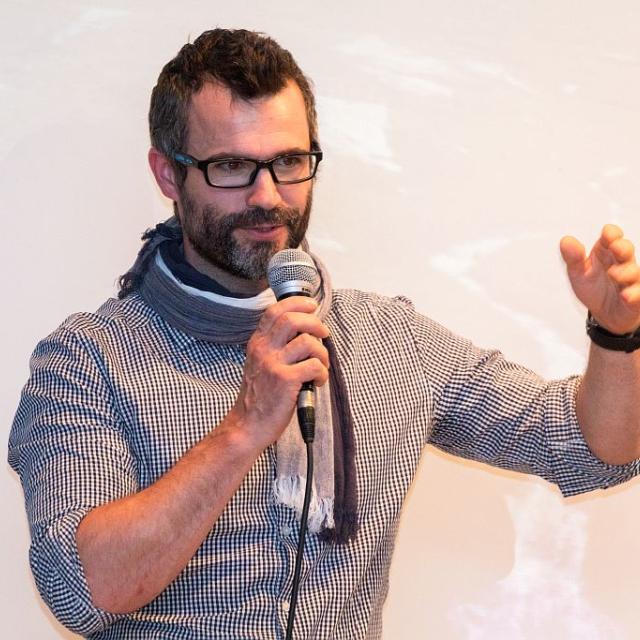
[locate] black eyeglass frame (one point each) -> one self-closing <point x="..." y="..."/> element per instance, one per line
<point x="189" y="161"/>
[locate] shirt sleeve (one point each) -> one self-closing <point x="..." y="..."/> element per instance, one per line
<point x="68" y="447"/>
<point x="493" y="411"/>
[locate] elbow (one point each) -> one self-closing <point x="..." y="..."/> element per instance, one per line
<point x="117" y="601"/>
<point x="611" y="450"/>
<point x="111" y="586"/>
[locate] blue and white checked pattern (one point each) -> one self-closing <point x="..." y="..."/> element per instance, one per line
<point x="115" y="398"/>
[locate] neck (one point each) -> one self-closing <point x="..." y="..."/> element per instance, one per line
<point x="235" y="284"/>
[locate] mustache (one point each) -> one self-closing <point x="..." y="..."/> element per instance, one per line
<point x="257" y="216"/>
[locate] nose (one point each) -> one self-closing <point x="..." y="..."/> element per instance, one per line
<point x="264" y="191"/>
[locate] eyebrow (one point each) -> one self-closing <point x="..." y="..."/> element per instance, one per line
<point x="228" y="155"/>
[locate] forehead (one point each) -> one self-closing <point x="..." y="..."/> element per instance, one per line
<point x="221" y="123"/>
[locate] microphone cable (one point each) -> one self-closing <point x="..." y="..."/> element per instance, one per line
<point x="306" y="418"/>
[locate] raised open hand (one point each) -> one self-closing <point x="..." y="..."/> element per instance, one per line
<point x="607" y="281"/>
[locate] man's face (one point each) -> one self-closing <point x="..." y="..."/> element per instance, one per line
<point x="236" y="231"/>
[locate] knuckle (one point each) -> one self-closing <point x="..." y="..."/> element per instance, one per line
<point x="274" y="371"/>
<point x="308" y="341"/>
<point x="321" y="374"/>
<point x="285" y="322"/>
<point x="319" y="365"/>
<point x="270" y="314"/>
<point x="252" y="348"/>
<point x="255" y="346"/>
<point x="313" y="348"/>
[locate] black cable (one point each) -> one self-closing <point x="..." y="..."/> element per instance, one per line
<point x="303" y="534"/>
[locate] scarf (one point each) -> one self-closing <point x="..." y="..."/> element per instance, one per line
<point x="213" y="317"/>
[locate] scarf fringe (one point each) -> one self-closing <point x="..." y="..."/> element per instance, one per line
<point x="289" y="491"/>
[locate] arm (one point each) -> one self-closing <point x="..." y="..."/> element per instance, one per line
<point x="485" y="408"/>
<point x="607" y="282"/>
<point x="132" y="548"/>
<point x="608" y="405"/>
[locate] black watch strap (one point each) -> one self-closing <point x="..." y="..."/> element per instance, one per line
<point x="627" y="342"/>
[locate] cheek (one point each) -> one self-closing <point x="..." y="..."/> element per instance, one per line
<point x="223" y="201"/>
<point x="297" y="199"/>
<point x="226" y="202"/>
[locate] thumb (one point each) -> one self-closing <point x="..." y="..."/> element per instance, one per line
<point x="574" y="255"/>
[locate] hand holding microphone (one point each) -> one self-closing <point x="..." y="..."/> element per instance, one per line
<point x="284" y="352"/>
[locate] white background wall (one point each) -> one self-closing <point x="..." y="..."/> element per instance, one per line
<point x="462" y="139"/>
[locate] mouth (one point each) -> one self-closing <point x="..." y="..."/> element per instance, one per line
<point x="263" y="231"/>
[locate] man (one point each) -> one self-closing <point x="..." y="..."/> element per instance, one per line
<point x="155" y="438"/>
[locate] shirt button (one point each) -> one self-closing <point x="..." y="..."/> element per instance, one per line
<point x="285" y="606"/>
<point x="285" y="530"/>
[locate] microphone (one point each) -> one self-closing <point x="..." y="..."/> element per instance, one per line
<point x="292" y="272"/>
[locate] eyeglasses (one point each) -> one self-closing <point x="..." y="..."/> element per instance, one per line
<point x="235" y="173"/>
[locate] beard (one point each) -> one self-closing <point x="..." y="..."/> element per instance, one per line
<point x="210" y="233"/>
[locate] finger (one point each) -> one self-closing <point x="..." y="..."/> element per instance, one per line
<point x="610" y="233"/>
<point x="573" y="253"/>
<point x="311" y="370"/>
<point x="625" y="275"/>
<point x="304" y="347"/>
<point x="299" y="304"/>
<point x="622" y="250"/>
<point x="631" y="295"/>
<point x="291" y="324"/>
<point x="615" y="248"/>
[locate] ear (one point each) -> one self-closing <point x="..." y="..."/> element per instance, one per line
<point x="164" y="174"/>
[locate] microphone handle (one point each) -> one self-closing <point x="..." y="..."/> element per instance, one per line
<point x="306" y="405"/>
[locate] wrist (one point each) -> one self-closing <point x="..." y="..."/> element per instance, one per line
<point x="627" y="342"/>
<point x="239" y="434"/>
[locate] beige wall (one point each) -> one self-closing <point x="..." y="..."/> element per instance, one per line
<point x="462" y="140"/>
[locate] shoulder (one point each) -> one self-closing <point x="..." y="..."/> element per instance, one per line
<point x="114" y="316"/>
<point x="359" y="312"/>
<point x="363" y="306"/>
<point x="356" y="301"/>
<point x="114" y="321"/>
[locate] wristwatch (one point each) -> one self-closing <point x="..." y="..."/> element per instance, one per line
<point x="627" y="342"/>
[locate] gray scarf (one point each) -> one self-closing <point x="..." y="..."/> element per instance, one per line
<point x="213" y="318"/>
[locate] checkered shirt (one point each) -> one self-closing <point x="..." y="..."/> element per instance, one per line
<point x="115" y="398"/>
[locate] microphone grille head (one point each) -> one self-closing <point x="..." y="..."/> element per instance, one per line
<point x="293" y="272"/>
